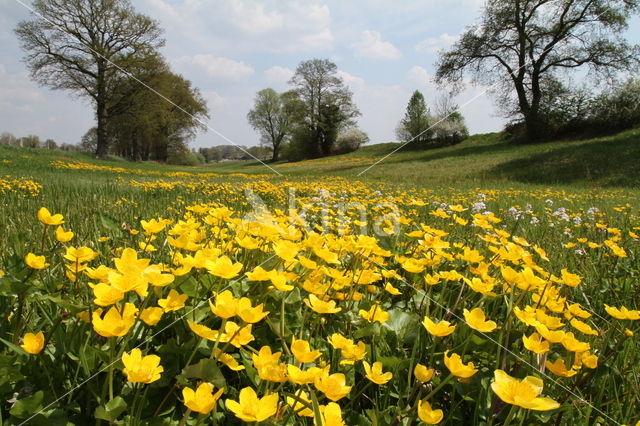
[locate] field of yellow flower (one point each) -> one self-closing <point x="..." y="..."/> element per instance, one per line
<point x="141" y="296"/>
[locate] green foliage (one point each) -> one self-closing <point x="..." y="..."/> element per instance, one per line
<point x="185" y="158"/>
<point x="415" y="126"/>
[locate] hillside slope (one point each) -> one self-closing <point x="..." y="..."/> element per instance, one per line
<point x="611" y="161"/>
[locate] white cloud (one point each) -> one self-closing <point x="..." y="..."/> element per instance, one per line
<point x="435" y="44"/>
<point x="247" y="25"/>
<point x="420" y="77"/>
<point x="372" y="46"/>
<point x="278" y="76"/>
<point x="355" y="83"/>
<point x="214" y="99"/>
<point x="219" y="67"/>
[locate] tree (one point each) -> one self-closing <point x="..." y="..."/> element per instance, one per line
<point x="449" y="127"/>
<point x="350" y="140"/>
<point x="321" y="105"/>
<point x="270" y="119"/>
<point x="414" y="127"/>
<point x="146" y="126"/>
<point x="79" y="45"/>
<point x="8" y="139"/>
<point x="520" y="44"/>
<point x="50" y="144"/>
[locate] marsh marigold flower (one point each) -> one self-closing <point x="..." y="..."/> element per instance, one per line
<point x="523" y="393"/>
<point x="62" y="235"/>
<point x="173" y="302"/>
<point x="375" y="374"/>
<point x="35" y="262"/>
<point x="321" y="306"/>
<point x="250" y="408"/>
<point x="151" y="316"/>
<point x="476" y="319"/>
<point x="45" y="216"/>
<point x="423" y="373"/>
<point x="428" y="414"/>
<point x="374" y="314"/>
<point x="440" y="329"/>
<point x="226" y="305"/>
<point x="331" y="415"/>
<point x="114" y="323"/>
<point x="333" y="386"/>
<point x="623" y="313"/>
<point x="457" y="367"/>
<point x="223" y="267"/>
<point x="139" y="369"/>
<point x="33" y="343"/>
<point x="302" y="351"/>
<point x="202" y="400"/>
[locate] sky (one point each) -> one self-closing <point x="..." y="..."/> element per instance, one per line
<point x="230" y="49"/>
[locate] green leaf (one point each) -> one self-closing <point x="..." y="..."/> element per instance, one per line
<point x="206" y="370"/>
<point x="111" y="410"/>
<point x="27" y="406"/>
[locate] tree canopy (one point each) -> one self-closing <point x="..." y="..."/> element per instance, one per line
<point x="82" y="46"/>
<point x="521" y="45"/>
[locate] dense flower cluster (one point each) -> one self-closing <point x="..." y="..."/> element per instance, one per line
<point x="281" y="316"/>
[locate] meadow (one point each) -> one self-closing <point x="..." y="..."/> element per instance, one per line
<point x="480" y="284"/>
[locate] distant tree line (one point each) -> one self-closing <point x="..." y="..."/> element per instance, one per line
<point x="34" y="141"/>
<point x="83" y="46"/>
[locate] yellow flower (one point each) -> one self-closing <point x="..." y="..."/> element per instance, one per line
<point x="476" y="320"/>
<point x="583" y="327"/>
<point x="202" y="400"/>
<point x="440" y="329"/>
<point x="45" y="217"/>
<point x="423" y="373"/>
<point x="559" y="368"/>
<point x="151" y="316"/>
<point x="173" y="302"/>
<point x="226" y="305"/>
<point x="457" y="367"/>
<point x="106" y="295"/>
<point x="301" y="404"/>
<point x="80" y="254"/>
<point x="320" y="306"/>
<point x="375" y="374"/>
<point x="154" y="226"/>
<point x="332" y="385"/>
<point x="1" y="273"/>
<point x="302" y="377"/>
<point x="374" y="314"/>
<point x="141" y="369"/>
<point x="331" y="415"/>
<point x="302" y="351"/>
<point x="623" y="313"/>
<point x="569" y="279"/>
<point x="535" y="343"/>
<point x="286" y="250"/>
<point x="113" y="323"/>
<point x="33" y="343"/>
<point x="523" y="393"/>
<point x="250" y="314"/>
<point x="429" y="415"/>
<point x="228" y="360"/>
<point x="203" y="331"/>
<point x="250" y="408"/>
<point x="223" y="267"/>
<point x="35" y="262"/>
<point x="391" y="289"/>
<point x="62" y="235"/>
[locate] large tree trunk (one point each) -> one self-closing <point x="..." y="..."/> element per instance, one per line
<point x="276" y="152"/>
<point x="534" y="126"/>
<point x="102" y="149"/>
<point x="102" y="113"/>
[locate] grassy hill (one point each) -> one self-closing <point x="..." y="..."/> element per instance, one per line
<point x="611" y="161"/>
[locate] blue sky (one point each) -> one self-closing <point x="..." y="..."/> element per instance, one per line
<point x="230" y="49"/>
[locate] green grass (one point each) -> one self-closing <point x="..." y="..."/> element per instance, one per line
<point x="610" y="161"/>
